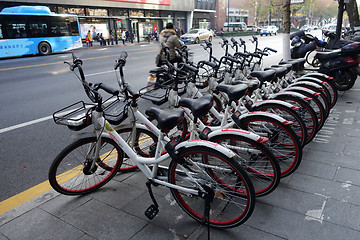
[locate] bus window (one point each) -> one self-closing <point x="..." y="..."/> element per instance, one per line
<point x="1" y="33"/>
<point x="38" y="29"/>
<point x="59" y="28"/>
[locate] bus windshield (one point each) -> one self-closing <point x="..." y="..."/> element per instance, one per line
<point x="37" y="33"/>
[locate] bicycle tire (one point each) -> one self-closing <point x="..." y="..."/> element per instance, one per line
<point x="315" y="104"/>
<point x="306" y="112"/>
<point x="289" y="114"/>
<point x="145" y="145"/>
<point x="234" y="196"/>
<point x="256" y="159"/>
<point x="283" y="142"/>
<point x="329" y="85"/>
<point x="71" y="174"/>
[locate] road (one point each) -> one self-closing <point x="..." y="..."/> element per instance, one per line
<point x="32" y="88"/>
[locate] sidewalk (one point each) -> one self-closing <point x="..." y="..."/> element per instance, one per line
<point x="319" y="201"/>
<point x="120" y="43"/>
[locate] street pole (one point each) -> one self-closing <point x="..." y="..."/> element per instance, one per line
<point x="339" y="18"/>
<point x="228" y="15"/>
<point x="286" y="25"/>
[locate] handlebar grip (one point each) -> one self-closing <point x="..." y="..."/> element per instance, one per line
<point x="191" y="68"/>
<point x="271" y="49"/>
<point x="233" y="40"/>
<point x="122" y="60"/>
<point x="224" y="40"/>
<point x="231" y="59"/>
<point x="108" y="89"/>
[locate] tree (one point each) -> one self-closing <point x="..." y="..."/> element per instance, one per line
<point x="353" y="13"/>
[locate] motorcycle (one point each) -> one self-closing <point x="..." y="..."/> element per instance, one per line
<point x="336" y="58"/>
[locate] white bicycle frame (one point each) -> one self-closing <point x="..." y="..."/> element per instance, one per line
<point x="104" y="129"/>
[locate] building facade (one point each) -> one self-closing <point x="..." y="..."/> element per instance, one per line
<point x="142" y="18"/>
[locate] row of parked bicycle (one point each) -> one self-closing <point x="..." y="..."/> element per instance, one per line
<point x="231" y="134"/>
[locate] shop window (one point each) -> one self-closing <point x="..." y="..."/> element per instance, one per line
<point x="119" y="12"/>
<point x="152" y="13"/>
<point x="136" y="13"/>
<point x="97" y="12"/>
<point x="166" y="14"/>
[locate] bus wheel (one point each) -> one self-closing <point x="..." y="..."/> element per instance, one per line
<point x="44" y="48"/>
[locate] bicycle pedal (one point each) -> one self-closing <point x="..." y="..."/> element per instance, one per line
<point x="151" y="211"/>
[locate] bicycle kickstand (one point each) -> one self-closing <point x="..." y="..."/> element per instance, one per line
<point x="153" y="210"/>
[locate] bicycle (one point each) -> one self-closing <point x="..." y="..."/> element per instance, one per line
<point x="204" y="179"/>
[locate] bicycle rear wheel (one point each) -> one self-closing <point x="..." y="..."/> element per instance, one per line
<point x="233" y="193"/>
<point x="256" y="159"/>
<point x="71" y="172"/>
<point x="144" y="144"/>
<point x="283" y="142"/>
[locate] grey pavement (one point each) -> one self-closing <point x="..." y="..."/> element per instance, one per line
<point x="319" y="201"/>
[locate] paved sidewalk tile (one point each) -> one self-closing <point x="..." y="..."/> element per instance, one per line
<point x="38" y="224"/>
<point x="103" y="221"/>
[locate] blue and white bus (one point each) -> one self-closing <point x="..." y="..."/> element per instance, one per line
<point x="36" y="30"/>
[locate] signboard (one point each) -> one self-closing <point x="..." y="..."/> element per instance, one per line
<point x="297" y="1"/>
<point x="94" y="28"/>
<point x="157" y="2"/>
<point x="205" y="4"/>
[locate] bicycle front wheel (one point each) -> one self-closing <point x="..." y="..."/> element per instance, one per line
<point x="75" y="172"/>
<point x="233" y="193"/>
<point x="283" y="142"/>
<point x="257" y="160"/>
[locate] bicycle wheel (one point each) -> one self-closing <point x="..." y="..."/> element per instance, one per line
<point x="144" y="144"/>
<point x="315" y="104"/>
<point x="306" y="112"/>
<point x="289" y="114"/>
<point x="283" y="142"/>
<point x="256" y="159"/>
<point x="71" y="172"/>
<point x="223" y="178"/>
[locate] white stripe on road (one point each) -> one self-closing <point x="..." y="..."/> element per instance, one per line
<point x="3" y="130"/>
<point x="25" y="124"/>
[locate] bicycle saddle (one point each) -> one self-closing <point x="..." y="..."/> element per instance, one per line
<point x="288" y="66"/>
<point x="167" y="119"/>
<point x="252" y="84"/>
<point x="199" y="107"/>
<point x="264" y="76"/>
<point x="280" y="71"/>
<point x="327" y="55"/>
<point x="234" y="92"/>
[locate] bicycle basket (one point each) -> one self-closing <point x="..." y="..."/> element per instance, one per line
<point x="156" y="94"/>
<point x="76" y="116"/>
<point x="115" y="110"/>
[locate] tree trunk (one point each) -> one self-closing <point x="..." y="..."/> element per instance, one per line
<point x="352" y="11"/>
<point x="286" y="26"/>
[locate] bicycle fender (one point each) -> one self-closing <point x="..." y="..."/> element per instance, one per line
<point x="307" y="83"/>
<point x="243" y="118"/>
<point x="310" y="80"/>
<point x="288" y="93"/>
<point x="301" y="89"/>
<point x="82" y="135"/>
<point x="260" y="104"/>
<point x="238" y="132"/>
<point x="317" y="75"/>
<point x="215" y="146"/>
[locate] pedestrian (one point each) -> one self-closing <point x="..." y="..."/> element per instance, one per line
<point x="168" y="36"/>
<point x="102" y="40"/>
<point x="111" y="37"/>
<point x="127" y="35"/>
<point x="90" y="39"/>
<point x="123" y="36"/>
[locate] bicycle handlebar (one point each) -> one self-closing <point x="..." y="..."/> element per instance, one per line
<point x="121" y="61"/>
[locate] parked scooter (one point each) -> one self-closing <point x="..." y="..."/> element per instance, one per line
<point x="342" y="64"/>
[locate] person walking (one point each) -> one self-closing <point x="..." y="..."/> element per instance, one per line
<point x="123" y="36"/>
<point x="90" y="39"/>
<point x="168" y="36"/>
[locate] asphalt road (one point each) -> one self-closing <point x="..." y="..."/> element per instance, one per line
<point x="32" y="88"/>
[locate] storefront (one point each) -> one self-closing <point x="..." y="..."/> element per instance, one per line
<point x="204" y="9"/>
<point x="143" y="19"/>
